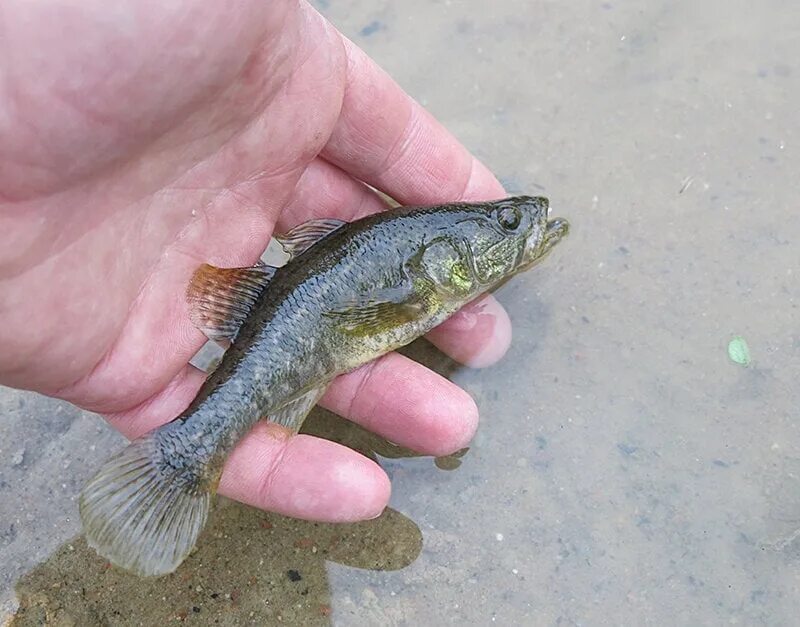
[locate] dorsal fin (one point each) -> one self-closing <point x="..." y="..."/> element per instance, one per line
<point x="221" y="298"/>
<point x="305" y="235"/>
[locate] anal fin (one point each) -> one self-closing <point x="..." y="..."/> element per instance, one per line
<point x="221" y="298"/>
<point x="294" y="414"/>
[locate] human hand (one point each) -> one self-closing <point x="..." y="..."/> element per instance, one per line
<point x="139" y="140"/>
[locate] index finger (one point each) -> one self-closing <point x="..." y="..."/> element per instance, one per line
<point x="385" y="138"/>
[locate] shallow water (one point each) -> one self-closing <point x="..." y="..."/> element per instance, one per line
<point x="626" y="470"/>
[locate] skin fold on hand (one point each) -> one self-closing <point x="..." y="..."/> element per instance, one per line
<point x="141" y="139"/>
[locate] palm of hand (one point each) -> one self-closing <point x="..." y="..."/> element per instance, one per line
<point x="158" y="143"/>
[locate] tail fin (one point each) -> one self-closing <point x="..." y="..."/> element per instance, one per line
<point x="143" y="515"/>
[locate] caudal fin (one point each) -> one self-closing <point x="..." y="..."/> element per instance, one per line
<point x="143" y="515"/>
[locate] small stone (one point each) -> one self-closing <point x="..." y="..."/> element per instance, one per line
<point x="368" y="595"/>
<point x="294" y="575"/>
<point x="498" y="537"/>
<point x="18" y="456"/>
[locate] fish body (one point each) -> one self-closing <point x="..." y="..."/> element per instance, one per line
<point x="349" y="294"/>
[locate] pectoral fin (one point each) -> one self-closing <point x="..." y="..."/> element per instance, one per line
<point x="292" y="415"/>
<point x="221" y="298"/>
<point x="305" y="235"/>
<point x="378" y="311"/>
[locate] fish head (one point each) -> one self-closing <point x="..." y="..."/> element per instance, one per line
<point x="510" y="235"/>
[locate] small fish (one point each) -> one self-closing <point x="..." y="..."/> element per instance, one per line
<point x="349" y="293"/>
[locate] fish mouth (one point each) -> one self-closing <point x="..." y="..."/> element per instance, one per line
<point x="555" y="230"/>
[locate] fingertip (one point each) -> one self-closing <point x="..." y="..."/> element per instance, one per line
<point x="478" y="335"/>
<point x="482" y="184"/>
<point x="375" y="497"/>
<point x="357" y="488"/>
<point x="449" y="421"/>
<point x="468" y="426"/>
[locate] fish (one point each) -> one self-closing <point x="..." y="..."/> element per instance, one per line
<point x="349" y="293"/>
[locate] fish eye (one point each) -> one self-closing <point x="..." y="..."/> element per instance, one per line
<point x="509" y="217"/>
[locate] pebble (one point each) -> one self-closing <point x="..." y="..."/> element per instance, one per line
<point x="18" y="456"/>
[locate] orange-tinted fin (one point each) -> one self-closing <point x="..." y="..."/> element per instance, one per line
<point x="305" y="235"/>
<point x="221" y="298"/>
